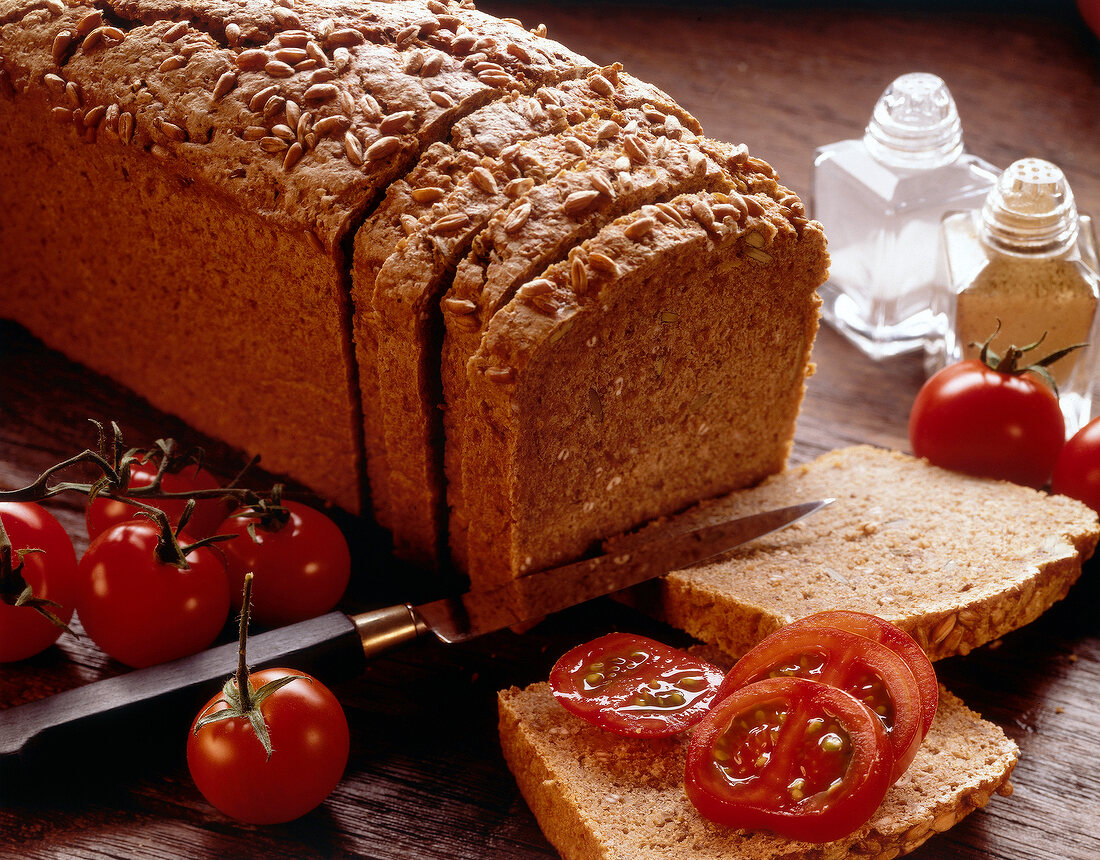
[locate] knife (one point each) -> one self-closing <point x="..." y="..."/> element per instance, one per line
<point x="107" y="715"/>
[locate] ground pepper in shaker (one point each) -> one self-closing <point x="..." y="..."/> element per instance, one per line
<point x="1026" y="262"/>
<point x="880" y="200"/>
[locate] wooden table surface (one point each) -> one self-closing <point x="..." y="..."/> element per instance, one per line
<point x="426" y="779"/>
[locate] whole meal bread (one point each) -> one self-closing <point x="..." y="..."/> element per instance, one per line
<point x="602" y="796"/>
<point x="426" y="262"/>
<point x="953" y="560"/>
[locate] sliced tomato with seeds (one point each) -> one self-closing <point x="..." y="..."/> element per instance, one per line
<point x="797" y="757"/>
<point x="894" y="638"/>
<point x="871" y="672"/>
<point x="633" y="685"/>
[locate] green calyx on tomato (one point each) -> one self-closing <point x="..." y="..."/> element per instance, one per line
<point x="1009" y="363"/>
<point x="243" y="702"/>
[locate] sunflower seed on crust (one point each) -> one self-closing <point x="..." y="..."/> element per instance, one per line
<point x="172" y="131"/>
<point x="427" y="194"/>
<point x="484" y="180"/>
<point x="608" y="129"/>
<point x="283" y="131"/>
<point x="703" y="213"/>
<point x="578" y="275"/>
<point x="335" y="124"/>
<point x="635" y="149"/>
<point x="458" y="307"/>
<point x="441" y="99"/>
<point x="176" y="32"/>
<point x="579" y="201"/>
<point x="273" y="144"/>
<point x="259" y="99"/>
<point x="321" y="92"/>
<point x="753" y="205"/>
<point x="353" y="148"/>
<point x="671" y="213"/>
<point x="94" y="115"/>
<point x="382" y="147"/>
<point x="232" y="33"/>
<point x="55" y="83"/>
<point x="88" y="23"/>
<point x="432" y="65"/>
<point x="395" y="122"/>
<point x="73" y="94"/>
<point x="62" y="42"/>
<point x="225" y="85"/>
<point x="601" y="85"/>
<point x="279" y="69"/>
<point x="603" y="264"/>
<point x="290" y="55"/>
<point x="602" y="184"/>
<point x="517" y="217"/>
<point x="638" y="228"/>
<point x="126" y="127"/>
<point x="450" y="223"/>
<point x="293" y="155"/>
<point x="286" y="19"/>
<point x="251" y="60"/>
<point x="501" y="375"/>
<point x="275" y="105"/>
<point x="345" y="38"/>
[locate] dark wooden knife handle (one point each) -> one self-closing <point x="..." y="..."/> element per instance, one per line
<point x="122" y="720"/>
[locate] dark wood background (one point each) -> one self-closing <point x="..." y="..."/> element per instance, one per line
<point x="426" y="778"/>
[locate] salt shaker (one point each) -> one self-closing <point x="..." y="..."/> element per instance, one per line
<point x="1026" y="262"/>
<point x="880" y="200"/>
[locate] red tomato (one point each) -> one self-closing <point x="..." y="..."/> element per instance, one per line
<point x="979" y="421"/>
<point x="1090" y="12"/>
<point x="142" y="611"/>
<point x="894" y="638"/>
<point x="300" y="570"/>
<point x="51" y="574"/>
<point x="310" y="742"/>
<point x="871" y="672"/>
<point x="1077" y="471"/>
<point x="103" y="513"/>
<point x="632" y="685"/>
<point x="799" y="758"/>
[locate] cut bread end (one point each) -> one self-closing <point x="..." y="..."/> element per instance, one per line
<point x="599" y="796"/>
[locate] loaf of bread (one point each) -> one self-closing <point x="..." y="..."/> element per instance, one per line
<point x="600" y="796"/>
<point x="424" y="261"/>
<point x="955" y="561"/>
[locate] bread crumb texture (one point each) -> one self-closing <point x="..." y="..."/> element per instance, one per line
<point x="955" y="561"/>
<point x="600" y="796"/>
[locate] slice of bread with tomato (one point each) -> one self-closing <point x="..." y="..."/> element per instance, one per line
<point x="602" y="796"/>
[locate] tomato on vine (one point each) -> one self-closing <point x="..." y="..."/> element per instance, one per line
<point x="988" y="418"/>
<point x="146" y="598"/>
<point x="38" y="580"/>
<point x="271" y="746"/>
<point x="103" y="512"/>
<point x="298" y="555"/>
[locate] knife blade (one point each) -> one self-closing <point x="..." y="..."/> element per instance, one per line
<point x="81" y="722"/>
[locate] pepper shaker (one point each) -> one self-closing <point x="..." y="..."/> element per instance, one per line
<point x="1026" y="262"/>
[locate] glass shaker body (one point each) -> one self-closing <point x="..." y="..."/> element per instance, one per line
<point x="1042" y="288"/>
<point x="880" y="200"/>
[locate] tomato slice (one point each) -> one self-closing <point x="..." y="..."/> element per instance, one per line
<point x="632" y="685"/>
<point x="894" y="638"/>
<point x="860" y="666"/>
<point x="803" y="759"/>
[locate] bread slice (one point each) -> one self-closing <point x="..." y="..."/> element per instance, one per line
<point x="599" y="796"/>
<point x="953" y="560"/>
<point x="202" y="166"/>
<point x="599" y="398"/>
<point x="398" y="281"/>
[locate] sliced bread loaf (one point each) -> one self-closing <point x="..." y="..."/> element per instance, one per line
<point x="599" y="796"/>
<point x="598" y="397"/>
<point x="543" y="227"/>
<point x="203" y="165"/>
<point x="955" y="561"/>
<point x="397" y="281"/>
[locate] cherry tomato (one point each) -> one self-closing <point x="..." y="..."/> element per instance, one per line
<point x="310" y="742"/>
<point x="871" y="672"/>
<point x="1077" y="471"/>
<point x="142" y="611"/>
<point x="790" y="755"/>
<point x="51" y="574"/>
<point x="300" y="569"/>
<point x="894" y="638"/>
<point x="979" y="421"/>
<point x="103" y="513"/>
<point x="632" y="685"/>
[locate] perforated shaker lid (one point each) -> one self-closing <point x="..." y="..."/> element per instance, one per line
<point x="1030" y="210"/>
<point x="915" y="124"/>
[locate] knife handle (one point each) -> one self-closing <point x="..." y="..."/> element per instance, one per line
<point x="100" y="725"/>
<point x="381" y="630"/>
